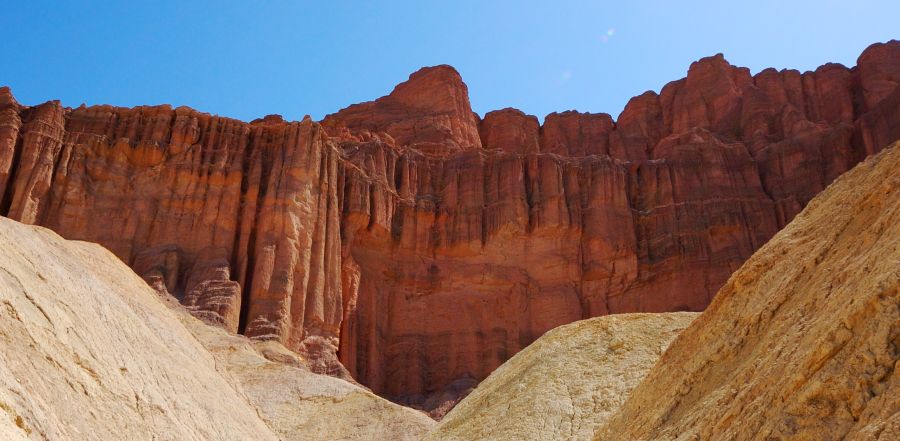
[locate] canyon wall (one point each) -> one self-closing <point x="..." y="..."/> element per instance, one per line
<point x="411" y="244"/>
<point x="90" y="352"/>
<point x="802" y="343"/>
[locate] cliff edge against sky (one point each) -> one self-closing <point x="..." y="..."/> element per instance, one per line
<point x="410" y="244"/>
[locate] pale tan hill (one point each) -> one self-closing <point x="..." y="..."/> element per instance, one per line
<point x="300" y="405"/>
<point x="562" y="386"/>
<point x="803" y="341"/>
<point x="89" y="352"/>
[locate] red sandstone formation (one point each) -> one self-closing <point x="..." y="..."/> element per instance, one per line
<point x="426" y="246"/>
<point x="510" y="130"/>
<point x="581" y="134"/>
<point x="430" y="113"/>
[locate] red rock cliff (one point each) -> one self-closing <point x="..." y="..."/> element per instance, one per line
<point x="424" y="245"/>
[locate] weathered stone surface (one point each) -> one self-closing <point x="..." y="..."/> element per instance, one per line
<point x="299" y="405"/>
<point x="879" y="72"/>
<point x="211" y="293"/>
<point x="510" y="130"/>
<point x="10" y="123"/>
<point x="418" y="247"/>
<point x="91" y="352"/>
<point x="566" y="383"/>
<point x="430" y="112"/>
<point x="802" y="342"/>
<point x="462" y="251"/>
<point x="226" y="215"/>
<point x="578" y="134"/>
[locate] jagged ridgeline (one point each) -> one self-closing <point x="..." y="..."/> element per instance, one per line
<point x="411" y="244"/>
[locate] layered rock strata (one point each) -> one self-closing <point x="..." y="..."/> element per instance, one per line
<point x="90" y="352"/>
<point x="803" y="342"/>
<point x="410" y="244"/>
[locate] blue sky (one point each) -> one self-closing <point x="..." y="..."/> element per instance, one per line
<point x="246" y="59"/>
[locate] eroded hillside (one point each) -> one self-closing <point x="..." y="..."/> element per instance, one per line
<point x="565" y="384"/>
<point x="411" y="244"/>
<point x="803" y="342"/>
<point x="89" y="352"/>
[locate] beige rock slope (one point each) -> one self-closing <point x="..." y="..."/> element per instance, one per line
<point x="89" y="352"/>
<point x="566" y="383"/>
<point x="300" y="405"/>
<point x="803" y="342"/>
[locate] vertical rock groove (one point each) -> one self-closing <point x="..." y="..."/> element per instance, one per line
<point x="412" y="245"/>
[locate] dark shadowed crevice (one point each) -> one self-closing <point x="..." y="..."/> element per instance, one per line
<point x="7" y="196"/>
<point x="265" y="166"/>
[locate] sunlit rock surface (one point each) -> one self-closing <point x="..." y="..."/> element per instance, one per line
<point x="90" y="352"/>
<point x="411" y="245"/>
<point x="803" y="342"/>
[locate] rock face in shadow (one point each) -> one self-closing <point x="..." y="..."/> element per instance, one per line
<point x="411" y="245"/>
<point x="91" y="352"/>
<point x="566" y="383"/>
<point x="803" y="342"/>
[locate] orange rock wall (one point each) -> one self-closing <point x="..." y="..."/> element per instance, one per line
<point x="421" y="245"/>
<point x="240" y="221"/>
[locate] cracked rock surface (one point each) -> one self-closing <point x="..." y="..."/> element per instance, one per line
<point x="414" y="246"/>
<point x="803" y="342"/>
<point x="566" y="383"/>
<point x="88" y="351"/>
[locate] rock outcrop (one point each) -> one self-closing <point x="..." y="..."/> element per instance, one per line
<point x="90" y="352"/>
<point x="565" y="384"/>
<point x="430" y="113"/>
<point x="484" y="250"/>
<point x="239" y="221"/>
<point x="803" y="342"/>
<point x="299" y="405"/>
<point x="411" y="245"/>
